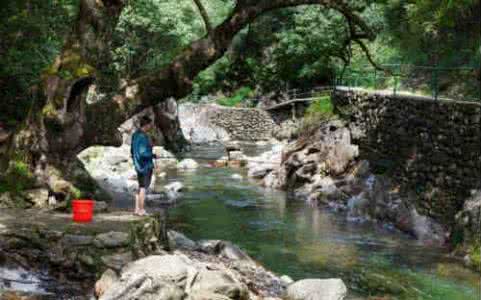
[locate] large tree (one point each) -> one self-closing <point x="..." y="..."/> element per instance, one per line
<point x="61" y="123"/>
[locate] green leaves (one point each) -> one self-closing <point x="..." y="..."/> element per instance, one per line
<point x="151" y="33"/>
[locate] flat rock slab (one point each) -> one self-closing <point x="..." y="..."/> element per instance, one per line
<point x="77" y="240"/>
<point x="112" y="239"/>
<point x="15" y="220"/>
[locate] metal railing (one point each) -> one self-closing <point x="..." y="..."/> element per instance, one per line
<point x="419" y="80"/>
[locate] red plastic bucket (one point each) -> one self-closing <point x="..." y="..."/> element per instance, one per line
<point x="82" y="210"/>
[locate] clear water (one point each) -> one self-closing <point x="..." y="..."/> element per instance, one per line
<point x="35" y="285"/>
<point x="290" y="237"/>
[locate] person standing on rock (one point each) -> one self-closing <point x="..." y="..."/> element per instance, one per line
<point x="143" y="158"/>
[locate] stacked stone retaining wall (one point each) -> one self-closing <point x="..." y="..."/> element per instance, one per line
<point x="432" y="148"/>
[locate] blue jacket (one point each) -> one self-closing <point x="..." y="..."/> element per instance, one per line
<point x="141" y="150"/>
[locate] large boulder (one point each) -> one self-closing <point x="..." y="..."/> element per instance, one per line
<point x="328" y="151"/>
<point x="380" y="200"/>
<point x="197" y="125"/>
<point x="153" y="277"/>
<point x="317" y="289"/>
<point x="218" y="282"/>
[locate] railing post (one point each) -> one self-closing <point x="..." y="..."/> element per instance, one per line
<point x="395" y="85"/>
<point x="435" y="83"/>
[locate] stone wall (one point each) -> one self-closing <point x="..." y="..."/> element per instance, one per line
<point x="248" y="124"/>
<point x="208" y="122"/>
<point x="431" y="148"/>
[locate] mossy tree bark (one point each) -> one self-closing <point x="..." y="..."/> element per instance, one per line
<point x="57" y="127"/>
<point x="61" y="124"/>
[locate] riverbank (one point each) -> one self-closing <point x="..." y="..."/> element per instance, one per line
<point x="106" y="256"/>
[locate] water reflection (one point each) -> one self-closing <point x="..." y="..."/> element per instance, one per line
<point x="293" y="238"/>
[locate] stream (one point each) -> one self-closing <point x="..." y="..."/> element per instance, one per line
<point x="290" y="237"/>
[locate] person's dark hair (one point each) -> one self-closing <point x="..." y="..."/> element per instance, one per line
<point x="145" y="120"/>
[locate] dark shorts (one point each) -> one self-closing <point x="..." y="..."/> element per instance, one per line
<point x="144" y="179"/>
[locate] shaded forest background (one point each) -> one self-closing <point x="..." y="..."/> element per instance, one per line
<point x="298" y="47"/>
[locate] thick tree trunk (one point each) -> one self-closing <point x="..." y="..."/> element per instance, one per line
<point x="58" y="125"/>
<point x="167" y="120"/>
<point x="61" y="124"/>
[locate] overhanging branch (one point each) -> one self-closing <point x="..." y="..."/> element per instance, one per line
<point x="205" y="16"/>
<point x="175" y="80"/>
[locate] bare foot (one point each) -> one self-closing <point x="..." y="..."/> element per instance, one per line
<point x="143" y="213"/>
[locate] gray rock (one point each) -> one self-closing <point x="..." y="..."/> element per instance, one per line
<point x="224" y="249"/>
<point x="117" y="261"/>
<point x="153" y="277"/>
<point x="179" y="241"/>
<point x="111" y="239"/>
<point x="77" y="240"/>
<point x="6" y="200"/>
<point x="113" y="160"/>
<point x="201" y="295"/>
<point x="86" y="260"/>
<point x="236" y="155"/>
<point x="236" y="177"/>
<point x="470" y="217"/>
<point x="105" y="282"/>
<point x="187" y="164"/>
<point x="173" y="190"/>
<point x="259" y="171"/>
<point x="232" y="251"/>
<point x="218" y="282"/>
<point x="160" y="152"/>
<point x="100" y="206"/>
<point x="317" y="289"/>
<point x="286" y="280"/>
<point x="39" y="197"/>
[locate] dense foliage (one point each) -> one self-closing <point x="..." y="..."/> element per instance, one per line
<point x="32" y="35"/>
<point x="291" y="48"/>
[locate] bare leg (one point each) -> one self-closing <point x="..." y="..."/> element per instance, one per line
<point x="141" y="200"/>
<point x="136" y="211"/>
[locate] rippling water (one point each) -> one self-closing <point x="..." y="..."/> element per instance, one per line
<point x="35" y="285"/>
<point x="292" y="238"/>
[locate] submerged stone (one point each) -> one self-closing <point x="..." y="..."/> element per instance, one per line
<point x="317" y="289"/>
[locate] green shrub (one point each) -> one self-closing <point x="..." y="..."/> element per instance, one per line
<point x="319" y="111"/>
<point x="239" y="96"/>
<point x="322" y="106"/>
<point x="475" y="255"/>
<point x="17" y="178"/>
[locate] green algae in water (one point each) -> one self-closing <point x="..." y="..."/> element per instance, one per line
<point x="292" y="238"/>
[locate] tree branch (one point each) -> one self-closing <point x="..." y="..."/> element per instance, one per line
<point x="369" y="56"/>
<point x="175" y="80"/>
<point x="205" y="16"/>
<point x="355" y="36"/>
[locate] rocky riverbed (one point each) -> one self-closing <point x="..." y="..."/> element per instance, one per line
<point x="323" y="168"/>
<point x="119" y="256"/>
